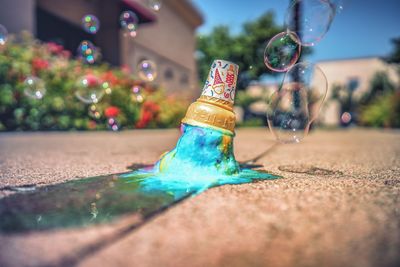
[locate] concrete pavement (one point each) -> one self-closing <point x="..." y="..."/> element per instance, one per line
<point x="337" y="204"/>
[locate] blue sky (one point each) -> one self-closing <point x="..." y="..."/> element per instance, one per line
<point x="363" y="28"/>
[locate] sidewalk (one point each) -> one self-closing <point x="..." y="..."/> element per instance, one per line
<point x="336" y="205"/>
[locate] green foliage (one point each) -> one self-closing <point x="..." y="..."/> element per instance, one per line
<point x="245" y="49"/>
<point x="244" y="100"/>
<point x="380" y="84"/>
<point x="380" y="107"/>
<point x="60" y="109"/>
<point x="384" y="111"/>
<point x="394" y="57"/>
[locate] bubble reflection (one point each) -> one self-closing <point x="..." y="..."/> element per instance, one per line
<point x="34" y="87"/>
<point x="154" y="4"/>
<point x="3" y="35"/>
<point x="87" y="52"/>
<point x="147" y="70"/>
<point x="89" y="89"/>
<point x="297" y="102"/>
<point x="137" y="94"/>
<point x="282" y="51"/>
<point x="112" y="124"/>
<point x="91" y="24"/>
<point x="129" y="22"/>
<point x="310" y="20"/>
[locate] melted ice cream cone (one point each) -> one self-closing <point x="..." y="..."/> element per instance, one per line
<point x="214" y="107"/>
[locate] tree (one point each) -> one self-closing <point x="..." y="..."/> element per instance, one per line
<point x="394" y="56"/>
<point x="380" y="84"/>
<point x="245" y="49"/>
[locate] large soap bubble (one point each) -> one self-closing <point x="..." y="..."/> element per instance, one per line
<point x="34" y="87"/>
<point x="297" y="102"/>
<point x="282" y="51"/>
<point x="310" y="19"/>
<point x="89" y="89"/>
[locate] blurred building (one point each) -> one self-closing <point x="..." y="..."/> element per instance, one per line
<point x="355" y="74"/>
<point x="167" y="37"/>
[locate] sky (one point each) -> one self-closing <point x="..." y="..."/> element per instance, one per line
<point x="363" y="28"/>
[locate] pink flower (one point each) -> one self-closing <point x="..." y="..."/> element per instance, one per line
<point x="91" y="80"/>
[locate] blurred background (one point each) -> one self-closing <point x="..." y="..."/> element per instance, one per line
<point x="125" y="64"/>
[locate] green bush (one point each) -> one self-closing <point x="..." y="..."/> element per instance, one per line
<point x="383" y="112"/>
<point x="59" y="109"/>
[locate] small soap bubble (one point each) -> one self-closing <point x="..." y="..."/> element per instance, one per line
<point x="345" y="118"/>
<point x="137" y="94"/>
<point x="87" y="52"/>
<point x="91" y="24"/>
<point x="297" y="103"/>
<point x="310" y="20"/>
<point x="93" y="112"/>
<point x="154" y="4"/>
<point x="282" y="51"/>
<point x="147" y="70"/>
<point x="89" y="89"/>
<point x="112" y="124"/>
<point x="34" y="87"/>
<point x="3" y="35"/>
<point x="107" y="88"/>
<point x="129" y="22"/>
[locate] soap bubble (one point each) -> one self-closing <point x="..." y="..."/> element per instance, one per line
<point x="297" y="102"/>
<point x="34" y="87"/>
<point x="93" y="112"/>
<point x="282" y="51"/>
<point x="129" y="22"/>
<point x="154" y="4"/>
<point x="137" y="93"/>
<point x="89" y="89"/>
<point x="147" y="70"/>
<point x="87" y="52"/>
<point x="91" y="24"/>
<point x="315" y="19"/>
<point x="345" y="118"/>
<point x="338" y="5"/>
<point x="3" y="35"/>
<point x="112" y="124"/>
<point x="107" y="88"/>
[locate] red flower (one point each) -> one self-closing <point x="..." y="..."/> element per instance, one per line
<point x="66" y="54"/>
<point x="144" y="119"/>
<point x="151" y="106"/>
<point x="111" y="112"/>
<point x="109" y="77"/>
<point x="148" y="113"/>
<point x="55" y="48"/>
<point x="39" y="64"/>
<point x="126" y="69"/>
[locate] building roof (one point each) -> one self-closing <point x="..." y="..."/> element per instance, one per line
<point x="183" y="8"/>
<point x="188" y="12"/>
<point x="145" y="14"/>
